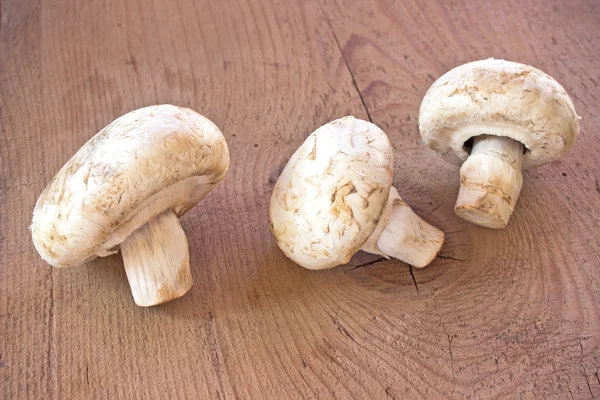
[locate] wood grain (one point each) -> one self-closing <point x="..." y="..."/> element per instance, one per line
<point x="500" y="314"/>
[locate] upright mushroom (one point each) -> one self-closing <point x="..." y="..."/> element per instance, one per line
<point x="125" y="188"/>
<point x="517" y="117"/>
<point x="335" y="197"/>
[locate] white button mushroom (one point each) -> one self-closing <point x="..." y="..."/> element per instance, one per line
<point x="517" y="117"/>
<point x="125" y="189"/>
<point x="335" y="197"/>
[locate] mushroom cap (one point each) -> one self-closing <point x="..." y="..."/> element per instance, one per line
<point x="148" y="161"/>
<point x="503" y="98"/>
<point x="330" y="195"/>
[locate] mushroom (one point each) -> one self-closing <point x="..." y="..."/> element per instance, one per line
<point x="125" y="189"/>
<point x="508" y="116"/>
<point x="335" y="197"/>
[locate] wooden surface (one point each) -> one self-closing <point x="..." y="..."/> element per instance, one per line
<point x="512" y="313"/>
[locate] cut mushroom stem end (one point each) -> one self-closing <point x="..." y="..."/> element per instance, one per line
<point x="156" y="260"/>
<point x="490" y="181"/>
<point x="403" y="235"/>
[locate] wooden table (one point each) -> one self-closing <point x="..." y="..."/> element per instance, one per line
<point x="510" y="313"/>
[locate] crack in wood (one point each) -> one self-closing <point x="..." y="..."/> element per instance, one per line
<point x="340" y="326"/>
<point x="412" y="275"/>
<point x="449" y="341"/>
<point x="304" y="363"/>
<point x="432" y="211"/>
<point x="588" y="385"/>
<point x="337" y="42"/>
<point x="390" y="393"/>
<point x="366" y="264"/>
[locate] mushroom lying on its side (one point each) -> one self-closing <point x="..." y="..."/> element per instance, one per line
<point x="517" y="117"/>
<point x="125" y="189"/>
<point x="335" y="197"/>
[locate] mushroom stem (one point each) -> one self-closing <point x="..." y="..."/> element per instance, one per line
<point x="402" y="234"/>
<point x="490" y="181"/>
<point x="157" y="261"/>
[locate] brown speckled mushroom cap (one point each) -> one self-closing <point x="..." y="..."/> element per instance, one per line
<point x="148" y="161"/>
<point x="330" y="195"/>
<point x="502" y="98"/>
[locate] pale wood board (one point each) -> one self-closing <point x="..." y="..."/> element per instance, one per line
<point x="500" y="314"/>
